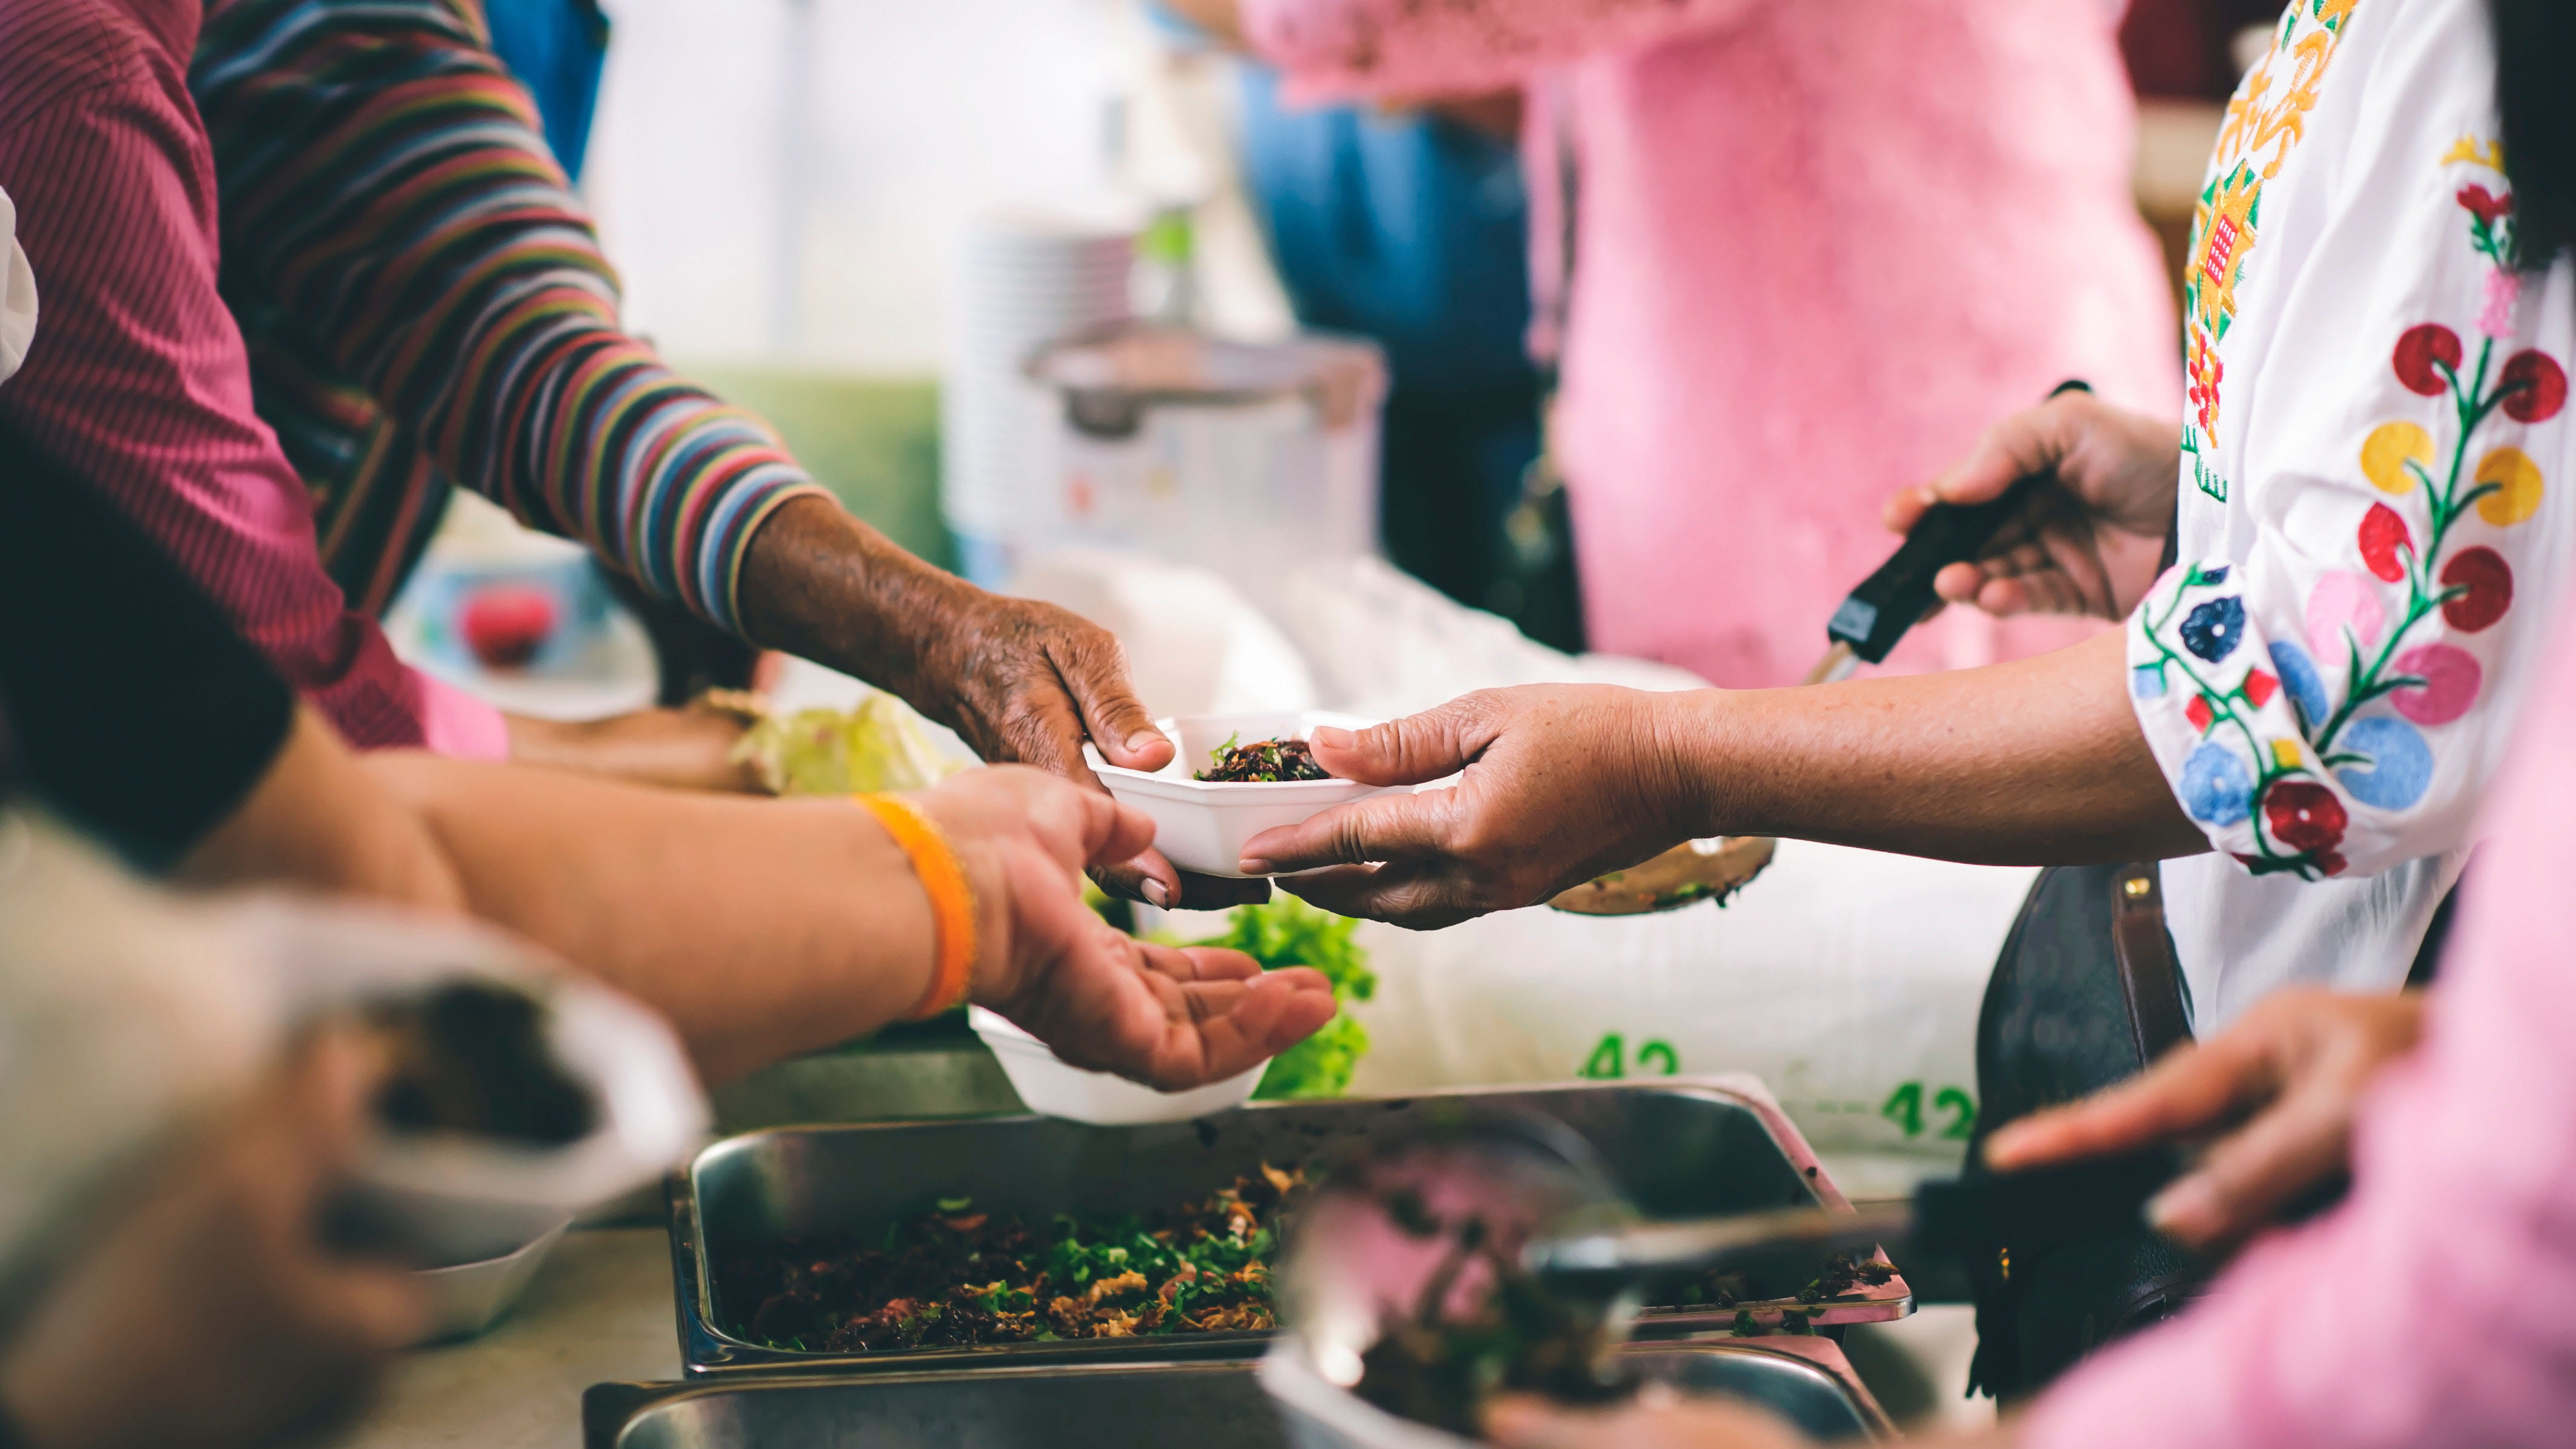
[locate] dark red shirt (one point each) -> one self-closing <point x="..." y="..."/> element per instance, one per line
<point x="137" y="380"/>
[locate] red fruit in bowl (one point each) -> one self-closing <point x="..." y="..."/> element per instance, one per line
<point x="506" y="624"/>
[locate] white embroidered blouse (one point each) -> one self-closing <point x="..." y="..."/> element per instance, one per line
<point x="2378" y="501"/>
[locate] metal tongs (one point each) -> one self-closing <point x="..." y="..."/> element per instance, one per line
<point x="1440" y="1221"/>
<point x="1971" y="1217"/>
<point x="1887" y="604"/>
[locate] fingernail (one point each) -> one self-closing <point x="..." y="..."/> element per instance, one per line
<point x="1251" y="866"/>
<point x="2185" y="1206"/>
<point x="1144" y="740"/>
<point x="1333" y="738"/>
<point x="1155" y="894"/>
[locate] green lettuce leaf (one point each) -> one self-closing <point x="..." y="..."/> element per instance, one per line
<point x="1286" y="931"/>
<point x="881" y="745"/>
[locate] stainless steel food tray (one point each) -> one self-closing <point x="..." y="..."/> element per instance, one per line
<point x="1678" y="1148"/>
<point x="1118" y="1406"/>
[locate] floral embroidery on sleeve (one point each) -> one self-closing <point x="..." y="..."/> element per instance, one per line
<point x="2261" y="118"/>
<point x="2286" y="754"/>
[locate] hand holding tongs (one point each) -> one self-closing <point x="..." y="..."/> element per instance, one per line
<point x="1876" y="615"/>
<point x="1969" y="1217"/>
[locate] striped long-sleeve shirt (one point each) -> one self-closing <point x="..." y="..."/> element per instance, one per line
<point x="425" y="301"/>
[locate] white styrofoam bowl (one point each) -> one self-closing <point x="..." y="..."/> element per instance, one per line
<point x="467" y="1298"/>
<point x="1202" y="825"/>
<point x="1049" y="1084"/>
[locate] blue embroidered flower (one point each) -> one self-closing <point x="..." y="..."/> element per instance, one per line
<point x="2299" y="676"/>
<point x="2211" y="577"/>
<point x="2213" y="630"/>
<point x="2147" y="681"/>
<point x="2215" y="787"/>
<point x="2401" y="764"/>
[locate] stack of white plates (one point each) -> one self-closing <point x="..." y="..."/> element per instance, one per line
<point x="1025" y="279"/>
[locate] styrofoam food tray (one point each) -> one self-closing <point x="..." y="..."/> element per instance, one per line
<point x="461" y="1198"/>
<point x="1049" y="1084"/>
<point x="1202" y="825"/>
<point x="467" y="1298"/>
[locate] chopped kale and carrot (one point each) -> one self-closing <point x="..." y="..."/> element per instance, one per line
<point x="956" y="1276"/>
<point x="1264" y="762"/>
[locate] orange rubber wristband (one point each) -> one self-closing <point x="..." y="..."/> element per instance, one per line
<point x="952" y="905"/>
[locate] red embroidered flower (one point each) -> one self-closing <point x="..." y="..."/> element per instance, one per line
<point x="2206" y="371"/>
<point x="2485" y="582"/>
<point x="2485" y="205"/>
<point x="2304" y="816"/>
<point x="2198" y="712"/>
<point x="2535" y="387"/>
<point x="2417" y="353"/>
<point x="2383" y="535"/>
<point x="2259" y="687"/>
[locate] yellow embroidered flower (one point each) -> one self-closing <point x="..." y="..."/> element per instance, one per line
<point x="2489" y="154"/>
<point x="2222" y="235"/>
<point x="2517" y="482"/>
<point x="2390" y="447"/>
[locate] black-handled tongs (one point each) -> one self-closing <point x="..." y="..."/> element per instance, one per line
<point x="1968" y="1217"/>
<point x="1898" y="596"/>
<point x="1870" y="621"/>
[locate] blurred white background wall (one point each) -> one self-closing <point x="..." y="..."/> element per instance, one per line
<point x="785" y="179"/>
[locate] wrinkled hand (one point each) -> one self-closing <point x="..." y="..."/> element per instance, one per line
<point x="1657" y="1419"/>
<point x="1020" y="681"/>
<point x="1559" y="783"/>
<point x="2278" y="1090"/>
<point x="1027" y="682"/>
<point x="211" y="1316"/>
<point x="2088" y="546"/>
<point x="1169" y="1017"/>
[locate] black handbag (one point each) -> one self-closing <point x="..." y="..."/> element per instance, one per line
<point x="2086" y="994"/>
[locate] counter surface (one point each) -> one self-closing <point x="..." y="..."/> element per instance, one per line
<point x="599" y="1309"/>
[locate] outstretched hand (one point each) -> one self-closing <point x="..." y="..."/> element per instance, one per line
<point x="1029" y="682"/>
<point x="1556" y="784"/>
<point x="2278" y="1090"/>
<point x="1167" y="1016"/>
<point x="2088" y="543"/>
<point x="1022" y="682"/>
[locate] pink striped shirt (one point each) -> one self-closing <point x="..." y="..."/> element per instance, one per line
<point x="137" y="379"/>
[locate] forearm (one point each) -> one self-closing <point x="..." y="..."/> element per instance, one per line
<point x="2039" y="761"/>
<point x="317" y="820"/>
<point x="759" y="928"/>
<point x="820" y="584"/>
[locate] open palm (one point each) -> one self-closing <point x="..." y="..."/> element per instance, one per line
<point x="1167" y="1016"/>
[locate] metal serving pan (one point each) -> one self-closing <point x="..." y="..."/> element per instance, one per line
<point x="1118" y="1406"/>
<point x="1678" y="1148"/>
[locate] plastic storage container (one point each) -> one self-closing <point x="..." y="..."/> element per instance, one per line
<point x="1250" y="459"/>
